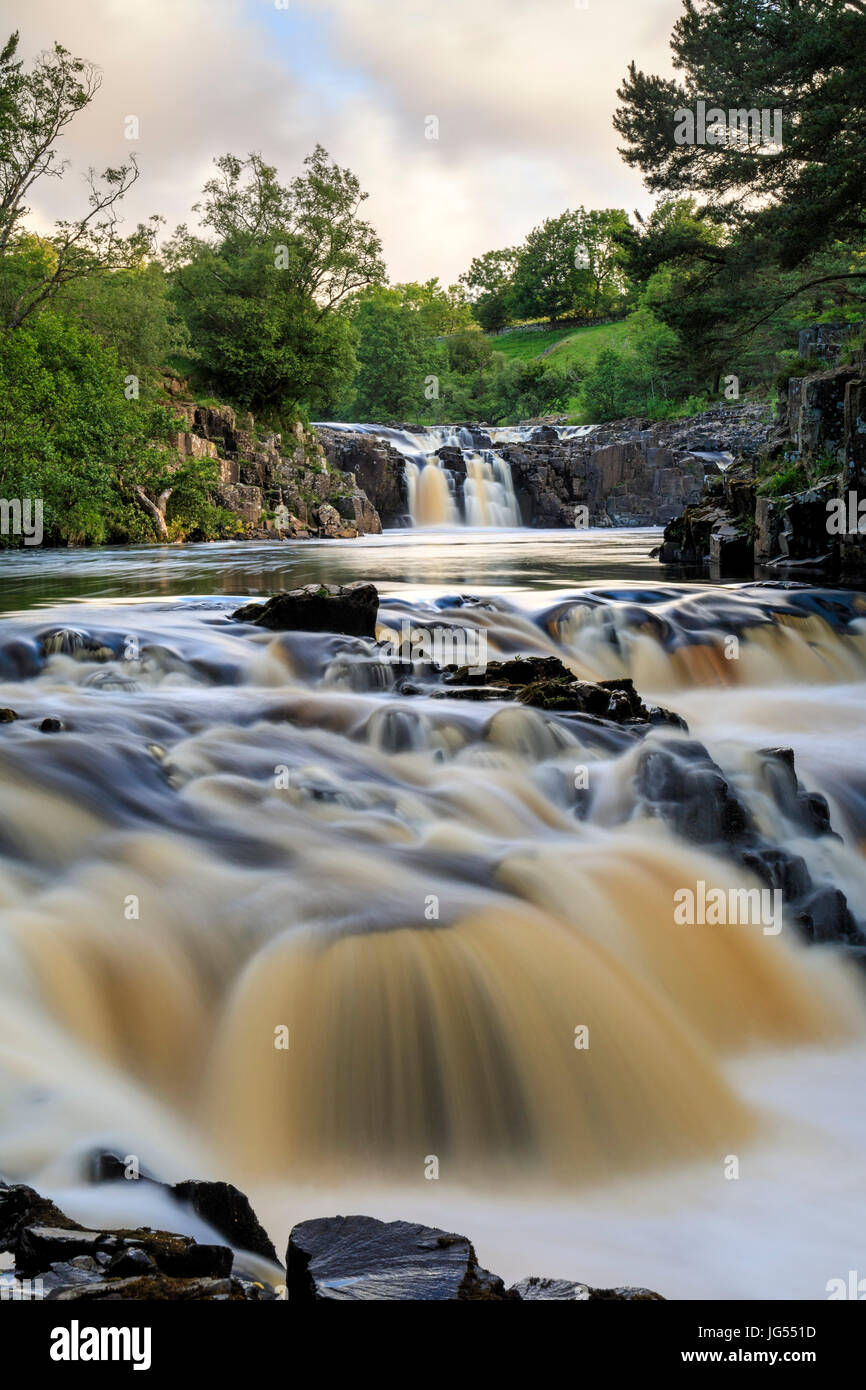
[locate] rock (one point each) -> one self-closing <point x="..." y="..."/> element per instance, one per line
<point x="376" y="465"/>
<point x="544" y="682"/>
<point x="343" y="1258"/>
<point x="40" y="1236"/>
<point x="7" y="716"/>
<point x="52" y="725"/>
<point x="680" y="783"/>
<point x="228" y="1211"/>
<point x="160" y="1288"/>
<point x="350" y="609"/>
<point x="562" y="1290"/>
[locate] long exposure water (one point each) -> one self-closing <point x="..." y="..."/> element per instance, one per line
<point x="231" y="836"/>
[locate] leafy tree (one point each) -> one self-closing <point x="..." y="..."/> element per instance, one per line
<point x="488" y="285"/>
<point x="35" y="109"/>
<point x="69" y="437"/>
<point x="546" y="279"/>
<point x="260" y="299"/>
<point x="806" y="58"/>
<point x="396" y="352"/>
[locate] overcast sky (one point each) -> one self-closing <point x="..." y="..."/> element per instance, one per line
<point x="523" y="91"/>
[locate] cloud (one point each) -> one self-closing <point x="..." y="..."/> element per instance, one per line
<point x="523" y="93"/>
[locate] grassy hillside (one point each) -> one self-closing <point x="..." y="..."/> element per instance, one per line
<point x="561" y="346"/>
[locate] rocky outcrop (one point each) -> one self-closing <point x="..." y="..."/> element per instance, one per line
<point x="350" y="609"/>
<point x="65" y="1261"/>
<point x="276" y="487"/>
<point x="746" y="521"/>
<point x="332" y="1259"/>
<point x="543" y="682"/>
<point x="377" y="467"/>
<point x="631" y="473"/>
<point x="682" y="785"/>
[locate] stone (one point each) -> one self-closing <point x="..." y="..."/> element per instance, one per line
<point x="350" y="609"/>
<point x="350" y="1258"/>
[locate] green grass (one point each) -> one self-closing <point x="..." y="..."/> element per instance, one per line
<point x="561" y="346"/>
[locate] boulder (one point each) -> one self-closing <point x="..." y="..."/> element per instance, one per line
<point x="342" y="1258"/>
<point x="350" y="609"/>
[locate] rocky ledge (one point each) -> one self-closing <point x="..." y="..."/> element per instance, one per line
<point x="748" y="520"/>
<point x="337" y="1258"/>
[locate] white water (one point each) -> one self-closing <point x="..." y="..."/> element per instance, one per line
<point x="441" y="497"/>
<point x="305" y="905"/>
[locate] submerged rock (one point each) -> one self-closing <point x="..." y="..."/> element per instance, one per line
<point x="350" y="609"/>
<point x="341" y="1258"/>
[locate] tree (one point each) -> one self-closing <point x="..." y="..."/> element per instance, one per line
<point x="806" y="58"/>
<point x="546" y="279"/>
<point x="261" y="298"/>
<point x="70" y="438"/>
<point x="601" y="235"/>
<point x="488" y="286"/>
<point x="397" y="352"/>
<point x="35" y="109"/>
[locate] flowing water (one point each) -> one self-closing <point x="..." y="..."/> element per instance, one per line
<point x="241" y="839"/>
<point x="477" y="492"/>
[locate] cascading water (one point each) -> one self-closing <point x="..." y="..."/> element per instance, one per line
<point x="478" y="493"/>
<point x="239" y="832"/>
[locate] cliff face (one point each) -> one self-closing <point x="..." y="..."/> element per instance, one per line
<point x="740" y="522"/>
<point x="630" y="473"/>
<point x="377" y="466"/>
<point x="276" y="486"/>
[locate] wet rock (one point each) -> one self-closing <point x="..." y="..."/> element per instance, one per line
<point x="41" y="1236"/>
<point x="69" y="641"/>
<point x="228" y="1211"/>
<point x="157" y="1288"/>
<point x="680" y="783"/>
<point x="562" y="1290"/>
<point x="545" y="683"/>
<point x="350" y="609"/>
<point x="52" y="725"/>
<point x="7" y="716"/>
<point x="343" y="1258"/>
<point x="559" y="1290"/>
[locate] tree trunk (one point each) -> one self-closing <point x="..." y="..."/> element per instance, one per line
<point x="156" y="509"/>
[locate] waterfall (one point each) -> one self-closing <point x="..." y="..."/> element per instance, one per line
<point x="476" y="492"/>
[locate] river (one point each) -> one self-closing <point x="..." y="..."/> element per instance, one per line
<point x="237" y="840"/>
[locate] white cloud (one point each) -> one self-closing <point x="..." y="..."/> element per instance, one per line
<point x="524" y="93"/>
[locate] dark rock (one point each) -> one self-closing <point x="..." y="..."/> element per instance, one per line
<point x="7" y="716"/>
<point x="52" y="725"/>
<point x="131" y="1262"/>
<point x="358" y="1257"/>
<point x="349" y="609"/>
<point x="559" y="1290"/>
<point x="157" y="1288"/>
<point x="228" y="1211"/>
<point x="562" y="1290"/>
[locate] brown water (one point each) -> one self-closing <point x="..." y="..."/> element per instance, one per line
<point x="240" y="836"/>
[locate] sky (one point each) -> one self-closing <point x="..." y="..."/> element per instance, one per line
<point x="522" y="92"/>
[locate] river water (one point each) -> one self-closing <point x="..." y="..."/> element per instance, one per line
<point x="239" y="839"/>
